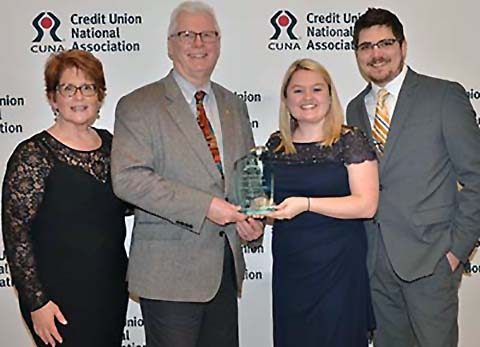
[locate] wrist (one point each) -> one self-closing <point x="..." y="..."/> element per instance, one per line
<point x="308" y="204"/>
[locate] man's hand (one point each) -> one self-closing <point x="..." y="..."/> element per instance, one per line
<point x="222" y="212"/>
<point x="250" y="229"/>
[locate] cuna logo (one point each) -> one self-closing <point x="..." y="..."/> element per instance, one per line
<point x="283" y="19"/>
<point x="46" y="21"/>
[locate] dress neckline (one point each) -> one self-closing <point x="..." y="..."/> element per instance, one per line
<point x="308" y="143"/>
<point x="74" y="149"/>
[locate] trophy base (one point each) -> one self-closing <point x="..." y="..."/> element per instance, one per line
<point x="257" y="211"/>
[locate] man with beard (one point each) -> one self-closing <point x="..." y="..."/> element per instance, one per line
<point x="425" y="228"/>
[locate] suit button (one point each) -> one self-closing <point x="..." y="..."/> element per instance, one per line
<point x="380" y="187"/>
<point x="221" y="233"/>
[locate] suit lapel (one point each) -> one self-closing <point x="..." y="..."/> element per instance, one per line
<point x="400" y="115"/>
<point x="181" y="113"/>
<point x="228" y="131"/>
<point x="364" y="121"/>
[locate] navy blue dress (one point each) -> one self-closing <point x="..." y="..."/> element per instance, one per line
<point x="321" y="294"/>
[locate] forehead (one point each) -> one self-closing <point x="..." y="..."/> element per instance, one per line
<point x="73" y="74"/>
<point x="375" y="33"/>
<point x="195" y="21"/>
<point x="304" y="77"/>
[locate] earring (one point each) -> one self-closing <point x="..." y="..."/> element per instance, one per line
<point x="56" y="113"/>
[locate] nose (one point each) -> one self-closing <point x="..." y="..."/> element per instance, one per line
<point x="308" y="94"/>
<point x="376" y="52"/>
<point x="197" y="41"/>
<point x="78" y="94"/>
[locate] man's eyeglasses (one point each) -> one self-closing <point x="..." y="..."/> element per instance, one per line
<point x="208" y="36"/>
<point x="69" y="90"/>
<point x="365" y="47"/>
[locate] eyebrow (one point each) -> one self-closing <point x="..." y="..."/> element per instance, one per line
<point x="310" y="85"/>
<point x="385" y="38"/>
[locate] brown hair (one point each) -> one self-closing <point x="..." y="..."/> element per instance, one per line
<point x="378" y="16"/>
<point x="73" y="58"/>
<point x="334" y="118"/>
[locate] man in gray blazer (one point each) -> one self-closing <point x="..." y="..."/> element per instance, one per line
<point x="425" y="228"/>
<point x="186" y="263"/>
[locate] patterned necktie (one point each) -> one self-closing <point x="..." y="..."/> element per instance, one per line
<point x="381" y="123"/>
<point x="207" y="130"/>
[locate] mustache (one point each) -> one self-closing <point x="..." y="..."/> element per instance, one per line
<point x="378" y="60"/>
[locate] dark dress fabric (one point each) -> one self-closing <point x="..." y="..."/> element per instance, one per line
<point x="321" y="294"/>
<point x="64" y="233"/>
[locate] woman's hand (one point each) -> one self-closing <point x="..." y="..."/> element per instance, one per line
<point x="290" y="207"/>
<point x="44" y="323"/>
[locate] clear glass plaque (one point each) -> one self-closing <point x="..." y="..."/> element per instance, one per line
<point x="253" y="179"/>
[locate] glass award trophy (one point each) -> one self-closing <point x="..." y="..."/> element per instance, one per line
<point x="253" y="180"/>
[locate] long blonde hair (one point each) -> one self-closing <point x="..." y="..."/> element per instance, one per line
<point x="333" y="120"/>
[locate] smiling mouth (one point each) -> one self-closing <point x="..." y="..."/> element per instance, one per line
<point x="308" y="106"/>
<point x="378" y="63"/>
<point x="198" y="55"/>
<point x="78" y="108"/>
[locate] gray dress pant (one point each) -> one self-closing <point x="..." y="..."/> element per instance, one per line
<point x="421" y="313"/>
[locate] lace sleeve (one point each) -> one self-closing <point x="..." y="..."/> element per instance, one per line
<point x="357" y="147"/>
<point x="22" y="193"/>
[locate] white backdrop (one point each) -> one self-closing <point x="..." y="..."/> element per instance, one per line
<point x="130" y="39"/>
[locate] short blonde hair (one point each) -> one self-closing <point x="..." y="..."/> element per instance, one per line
<point x="334" y="118"/>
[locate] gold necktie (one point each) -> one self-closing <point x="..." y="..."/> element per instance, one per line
<point x="381" y="123"/>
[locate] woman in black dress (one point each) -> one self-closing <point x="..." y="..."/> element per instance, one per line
<point x="326" y="181"/>
<point x="63" y="228"/>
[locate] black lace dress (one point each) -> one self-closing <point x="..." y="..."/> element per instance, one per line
<point x="63" y="231"/>
<point x="321" y="293"/>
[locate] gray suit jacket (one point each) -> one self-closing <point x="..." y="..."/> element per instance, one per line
<point x="161" y="164"/>
<point x="433" y="142"/>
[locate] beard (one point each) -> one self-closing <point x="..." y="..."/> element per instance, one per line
<point x="384" y="76"/>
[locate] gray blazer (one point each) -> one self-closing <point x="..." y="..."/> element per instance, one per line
<point x="433" y="142"/>
<point x="162" y="165"/>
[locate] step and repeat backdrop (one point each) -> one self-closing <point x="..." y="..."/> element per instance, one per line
<point x="259" y="40"/>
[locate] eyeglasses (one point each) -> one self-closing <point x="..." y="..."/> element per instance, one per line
<point x="366" y="47"/>
<point x="69" y="90"/>
<point x="208" y="36"/>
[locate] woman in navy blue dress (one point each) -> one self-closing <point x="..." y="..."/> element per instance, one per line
<point x="326" y="182"/>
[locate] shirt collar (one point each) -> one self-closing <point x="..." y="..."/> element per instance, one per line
<point x="393" y="87"/>
<point x="188" y="89"/>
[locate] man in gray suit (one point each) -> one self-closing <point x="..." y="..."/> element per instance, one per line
<point x="427" y="139"/>
<point x="186" y="263"/>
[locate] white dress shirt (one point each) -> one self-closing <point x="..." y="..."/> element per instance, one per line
<point x="393" y="87"/>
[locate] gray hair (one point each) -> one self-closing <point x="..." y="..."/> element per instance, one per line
<point x="192" y="7"/>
